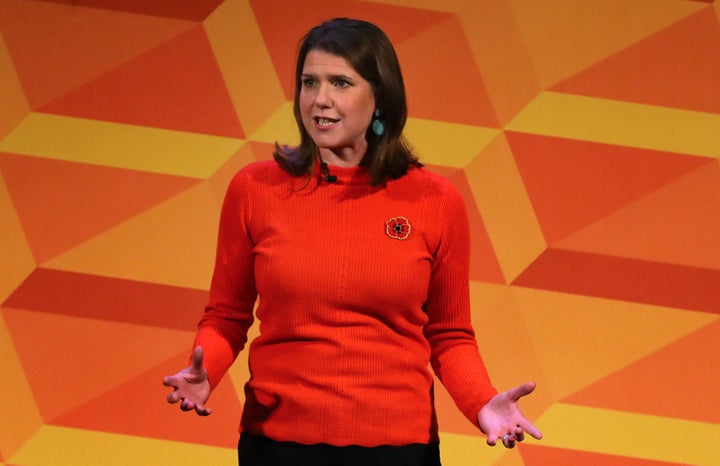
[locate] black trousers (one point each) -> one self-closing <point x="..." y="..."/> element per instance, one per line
<point x="262" y="451"/>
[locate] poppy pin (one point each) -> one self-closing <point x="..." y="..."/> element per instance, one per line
<point x="398" y="228"/>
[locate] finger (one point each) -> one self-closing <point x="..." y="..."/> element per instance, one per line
<point x="519" y="434"/>
<point x="532" y="430"/>
<point x="187" y="405"/>
<point x="169" y="381"/>
<point x="202" y="410"/>
<point x="173" y="398"/>
<point x="509" y="441"/>
<point x="492" y="439"/>
<point x="197" y="358"/>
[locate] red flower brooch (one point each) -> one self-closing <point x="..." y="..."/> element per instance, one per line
<point x="398" y="228"/>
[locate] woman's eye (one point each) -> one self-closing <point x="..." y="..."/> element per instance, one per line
<point x="341" y="83"/>
<point x="308" y="82"/>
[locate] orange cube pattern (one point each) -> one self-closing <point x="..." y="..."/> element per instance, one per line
<point x="584" y="136"/>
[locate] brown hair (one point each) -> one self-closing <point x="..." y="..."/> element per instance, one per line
<point x="369" y="51"/>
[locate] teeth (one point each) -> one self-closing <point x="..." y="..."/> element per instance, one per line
<point x="325" y="121"/>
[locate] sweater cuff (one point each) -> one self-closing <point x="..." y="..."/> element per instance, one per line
<point x="217" y="355"/>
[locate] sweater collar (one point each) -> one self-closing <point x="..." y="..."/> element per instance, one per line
<point x="345" y="175"/>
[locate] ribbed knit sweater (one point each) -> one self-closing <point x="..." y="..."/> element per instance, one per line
<point x="353" y="305"/>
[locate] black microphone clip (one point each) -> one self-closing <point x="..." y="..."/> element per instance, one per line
<point x="326" y="173"/>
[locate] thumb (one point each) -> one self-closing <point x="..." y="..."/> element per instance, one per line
<point x="197" y="359"/>
<point x="522" y="390"/>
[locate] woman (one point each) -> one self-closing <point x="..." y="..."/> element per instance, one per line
<point x="359" y="258"/>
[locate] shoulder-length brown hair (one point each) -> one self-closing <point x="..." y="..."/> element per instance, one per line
<point x="369" y="51"/>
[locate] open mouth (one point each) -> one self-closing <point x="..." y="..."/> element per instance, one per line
<point x="325" y="122"/>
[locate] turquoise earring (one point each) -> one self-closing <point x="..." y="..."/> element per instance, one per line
<point x="378" y="127"/>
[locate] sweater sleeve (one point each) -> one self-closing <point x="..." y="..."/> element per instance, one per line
<point x="223" y="328"/>
<point x="455" y="358"/>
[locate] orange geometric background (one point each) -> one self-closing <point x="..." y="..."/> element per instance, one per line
<point x="584" y="135"/>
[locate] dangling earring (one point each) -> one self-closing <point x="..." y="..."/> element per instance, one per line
<point x="378" y="127"/>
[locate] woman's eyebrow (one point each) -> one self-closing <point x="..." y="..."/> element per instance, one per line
<point x="331" y="77"/>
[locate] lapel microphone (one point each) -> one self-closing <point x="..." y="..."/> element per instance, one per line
<point x="326" y="173"/>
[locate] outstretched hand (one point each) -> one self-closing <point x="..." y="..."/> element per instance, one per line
<point x="501" y="418"/>
<point x="190" y="385"/>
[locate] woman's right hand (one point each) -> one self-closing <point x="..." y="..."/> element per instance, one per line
<point x="190" y="386"/>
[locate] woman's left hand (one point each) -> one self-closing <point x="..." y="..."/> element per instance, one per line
<point x="501" y="417"/>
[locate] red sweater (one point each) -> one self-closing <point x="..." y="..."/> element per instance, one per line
<point x="353" y="305"/>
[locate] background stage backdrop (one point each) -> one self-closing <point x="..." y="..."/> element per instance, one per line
<point x="584" y="135"/>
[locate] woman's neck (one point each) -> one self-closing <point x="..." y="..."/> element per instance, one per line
<point x="350" y="157"/>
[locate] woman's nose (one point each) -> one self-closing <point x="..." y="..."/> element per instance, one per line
<point x="322" y="97"/>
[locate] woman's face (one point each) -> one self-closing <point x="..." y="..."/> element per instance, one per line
<point x="336" y="105"/>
